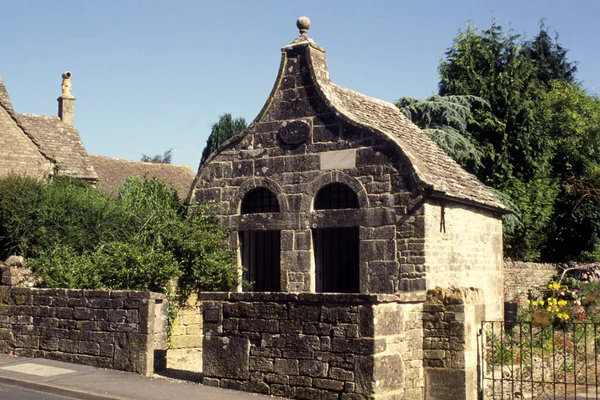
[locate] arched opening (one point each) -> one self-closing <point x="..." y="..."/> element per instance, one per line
<point x="336" y="196"/>
<point x="260" y="249"/>
<point x="260" y="200"/>
<point x="336" y="250"/>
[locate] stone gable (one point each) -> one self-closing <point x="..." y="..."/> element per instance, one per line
<point x="311" y="134"/>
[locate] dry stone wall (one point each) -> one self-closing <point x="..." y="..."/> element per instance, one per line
<point x="315" y="346"/>
<point x="520" y="277"/>
<point x="119" y="329"/>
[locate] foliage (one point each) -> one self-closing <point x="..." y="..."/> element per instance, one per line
<point x="575" y="127"/>
<point x="165" y="158"/>
<point x="445" y="119"/>
<point x="35" y="217"/>
<point x="516" y="132"/>
<point x="75" y="236"/>
<point x="221" y="131"/>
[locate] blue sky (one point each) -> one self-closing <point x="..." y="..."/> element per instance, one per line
<point x="152" y="75"/>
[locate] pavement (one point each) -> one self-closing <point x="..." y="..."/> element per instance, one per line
<point x="90" y="383"/>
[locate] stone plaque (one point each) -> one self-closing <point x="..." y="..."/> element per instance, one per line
<point x="343" y="159"/>
<point x="295" y="132"/>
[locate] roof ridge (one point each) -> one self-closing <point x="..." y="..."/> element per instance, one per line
<point x="141" y="162"/>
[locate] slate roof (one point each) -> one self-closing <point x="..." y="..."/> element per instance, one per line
<point x="432" y="166"/>
<point x="60" y="142"/>
<point x="112" y="172"/>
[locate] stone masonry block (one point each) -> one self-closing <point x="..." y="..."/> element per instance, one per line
<point x="226" y="357"/>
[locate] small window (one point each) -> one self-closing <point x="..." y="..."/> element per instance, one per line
<point x="336" y="196"/>
<point x="260" y="200"/>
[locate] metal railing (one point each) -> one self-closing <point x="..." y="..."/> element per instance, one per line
<point x="533" y="362"/>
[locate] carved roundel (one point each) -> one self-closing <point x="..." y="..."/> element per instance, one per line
<point x="295" y="132"/>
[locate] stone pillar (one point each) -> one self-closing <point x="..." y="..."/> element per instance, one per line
<point x="451" y="318"/>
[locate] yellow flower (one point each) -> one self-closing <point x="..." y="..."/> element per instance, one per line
<point x="549" y="308"/>
<point x="541" y="302"/>
<point x="562" y="302"/>
<point x="566" y="316"/>
<point x="528" y="302"/>
<point x="535" y="303"/>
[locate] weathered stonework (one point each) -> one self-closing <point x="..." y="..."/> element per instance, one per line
<point x="520" y="277"/>
<point x="451" y="318"/>
<point x="118" y="329"/>
<point x="463" y="247"/>
<point x="309" y="346"/>
<point x="311" y="133"/>
<point x="185" y="339"/>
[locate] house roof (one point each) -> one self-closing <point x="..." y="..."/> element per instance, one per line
<point x="432" y="167"/>
<point x="4" y="99"/>
<point x="60" y="142"/>
<point x="112" y="173"/>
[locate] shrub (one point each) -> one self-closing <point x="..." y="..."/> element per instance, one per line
<point x="75" y="236"/>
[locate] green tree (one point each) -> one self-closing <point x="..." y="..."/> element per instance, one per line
<point x="550" y="58"/>
<point x="512" y="133"/>
<point x="165" y="158"/>
<point x="575" y="124"/>
<point x="221" y="131"/>
<point x="445" y="119"/>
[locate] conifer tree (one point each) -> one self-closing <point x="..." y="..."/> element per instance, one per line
<point x="221" y="131"/>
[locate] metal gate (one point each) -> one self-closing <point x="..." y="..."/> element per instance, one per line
<point x="261" y="260"/>
<point x="337" y="259"/>
<point x="536" y="362"/>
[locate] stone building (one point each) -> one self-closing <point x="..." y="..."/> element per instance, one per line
<point x="360" y="220"/>
<point x="42" y="145"/>
<point x="334" y="191"/>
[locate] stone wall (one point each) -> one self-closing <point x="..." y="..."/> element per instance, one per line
<point x="185" y="340"/>
<point x="111" y="329"/>
<point x="463" y="248"/>
<point x="520" y="276"/>
<point x="309" y="346"/>
<point x="451" y="319"/>
<point x="20" y="155"/>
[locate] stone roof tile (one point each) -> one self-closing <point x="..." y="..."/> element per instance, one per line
<point x="432" y="166"/>
<point x="4" y="98"/>
<point x="112" y="173"/>
<point x="61" y="142"/>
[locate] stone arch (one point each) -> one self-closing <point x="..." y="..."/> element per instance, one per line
<point x="334" y="177"/>
<point x="253" y="183"/>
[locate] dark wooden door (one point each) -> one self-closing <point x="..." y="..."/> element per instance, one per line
<point x="261" y="260"/>
<point x="336" y="259"/>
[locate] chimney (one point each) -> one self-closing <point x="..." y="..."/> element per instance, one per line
<point x="66" y="102"/>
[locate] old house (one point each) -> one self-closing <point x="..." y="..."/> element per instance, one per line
<point x="42" y="145"/>
<point x="334" y="191"/>
<point x="113" y="172"/>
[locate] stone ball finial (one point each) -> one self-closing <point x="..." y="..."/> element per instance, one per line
<point x="303" y="25"/>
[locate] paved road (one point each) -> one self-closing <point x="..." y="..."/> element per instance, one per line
<point x="8" y="392"/>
